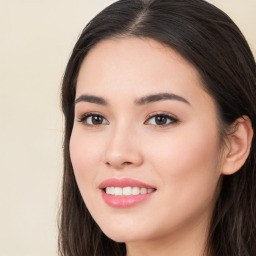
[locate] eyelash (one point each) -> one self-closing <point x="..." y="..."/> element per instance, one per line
<point x="172" y="120"/>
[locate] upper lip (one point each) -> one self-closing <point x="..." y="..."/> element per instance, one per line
<point x="124" y="182"/>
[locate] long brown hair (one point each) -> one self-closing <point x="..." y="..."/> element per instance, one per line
<point x="210" y="40"/>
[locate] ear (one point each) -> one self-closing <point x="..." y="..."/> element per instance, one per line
<point x="239" y="144"/>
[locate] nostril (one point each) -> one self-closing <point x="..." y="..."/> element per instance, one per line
<point x="126" y="163"/>
<point x="120" y="166"/>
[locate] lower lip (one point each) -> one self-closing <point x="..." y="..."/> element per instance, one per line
<point x="124" y="201"/>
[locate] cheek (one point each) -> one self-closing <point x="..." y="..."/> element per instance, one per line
<point x="188" y="163"/>
<point x="187" y="150"/>
<point x="84" y="149"/>
<point x="84" y="154"/>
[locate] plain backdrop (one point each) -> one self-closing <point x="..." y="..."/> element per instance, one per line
<point x="36" y="39"/>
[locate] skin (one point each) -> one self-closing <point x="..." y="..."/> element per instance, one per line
<point x="183" y="160"/>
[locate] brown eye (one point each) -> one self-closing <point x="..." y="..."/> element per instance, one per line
<point x="93" y="120"/>
<point x="161" y="120"/>
<point x="96" y="120"/>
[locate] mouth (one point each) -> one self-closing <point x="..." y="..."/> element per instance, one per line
<point x="122" y="193"/>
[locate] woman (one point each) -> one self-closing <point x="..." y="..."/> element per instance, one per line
<point x="159" y="153"/>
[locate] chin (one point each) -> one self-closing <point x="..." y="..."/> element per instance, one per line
<point x="124" y="235"/>
<point x="122" y="238"/>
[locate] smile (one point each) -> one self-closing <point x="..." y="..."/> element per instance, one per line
<point x="122" y="193"/>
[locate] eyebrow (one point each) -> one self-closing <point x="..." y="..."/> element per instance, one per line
<point x="91" y="99"/>
<point x="141" y="101"/>
<point x="158" y="97"/>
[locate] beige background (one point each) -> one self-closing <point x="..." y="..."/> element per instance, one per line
<point x="36" y="40"/>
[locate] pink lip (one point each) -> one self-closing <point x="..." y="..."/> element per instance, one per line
<point x="123" y="183"/>
<point x="124" y="201"/>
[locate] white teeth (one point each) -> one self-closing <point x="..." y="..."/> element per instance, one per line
<point x="135" y="191"/>
<point x="108" y="190"/>
<point x="143" y="191"/>
<point x="128" y="191"/>
<point x="112" y="191"/>
<point x="118" y="191"/>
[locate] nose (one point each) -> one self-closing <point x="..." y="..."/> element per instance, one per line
<point x="123" y="149"/>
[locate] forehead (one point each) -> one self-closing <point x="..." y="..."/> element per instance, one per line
<point x="135" y="67"/>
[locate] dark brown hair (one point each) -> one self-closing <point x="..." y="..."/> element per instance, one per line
<point x="209" y="39"/>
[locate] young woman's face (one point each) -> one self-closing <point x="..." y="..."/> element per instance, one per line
<point x="144" y="147"/>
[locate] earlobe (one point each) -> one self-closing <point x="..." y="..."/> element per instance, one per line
<point x="239" y="144"/>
